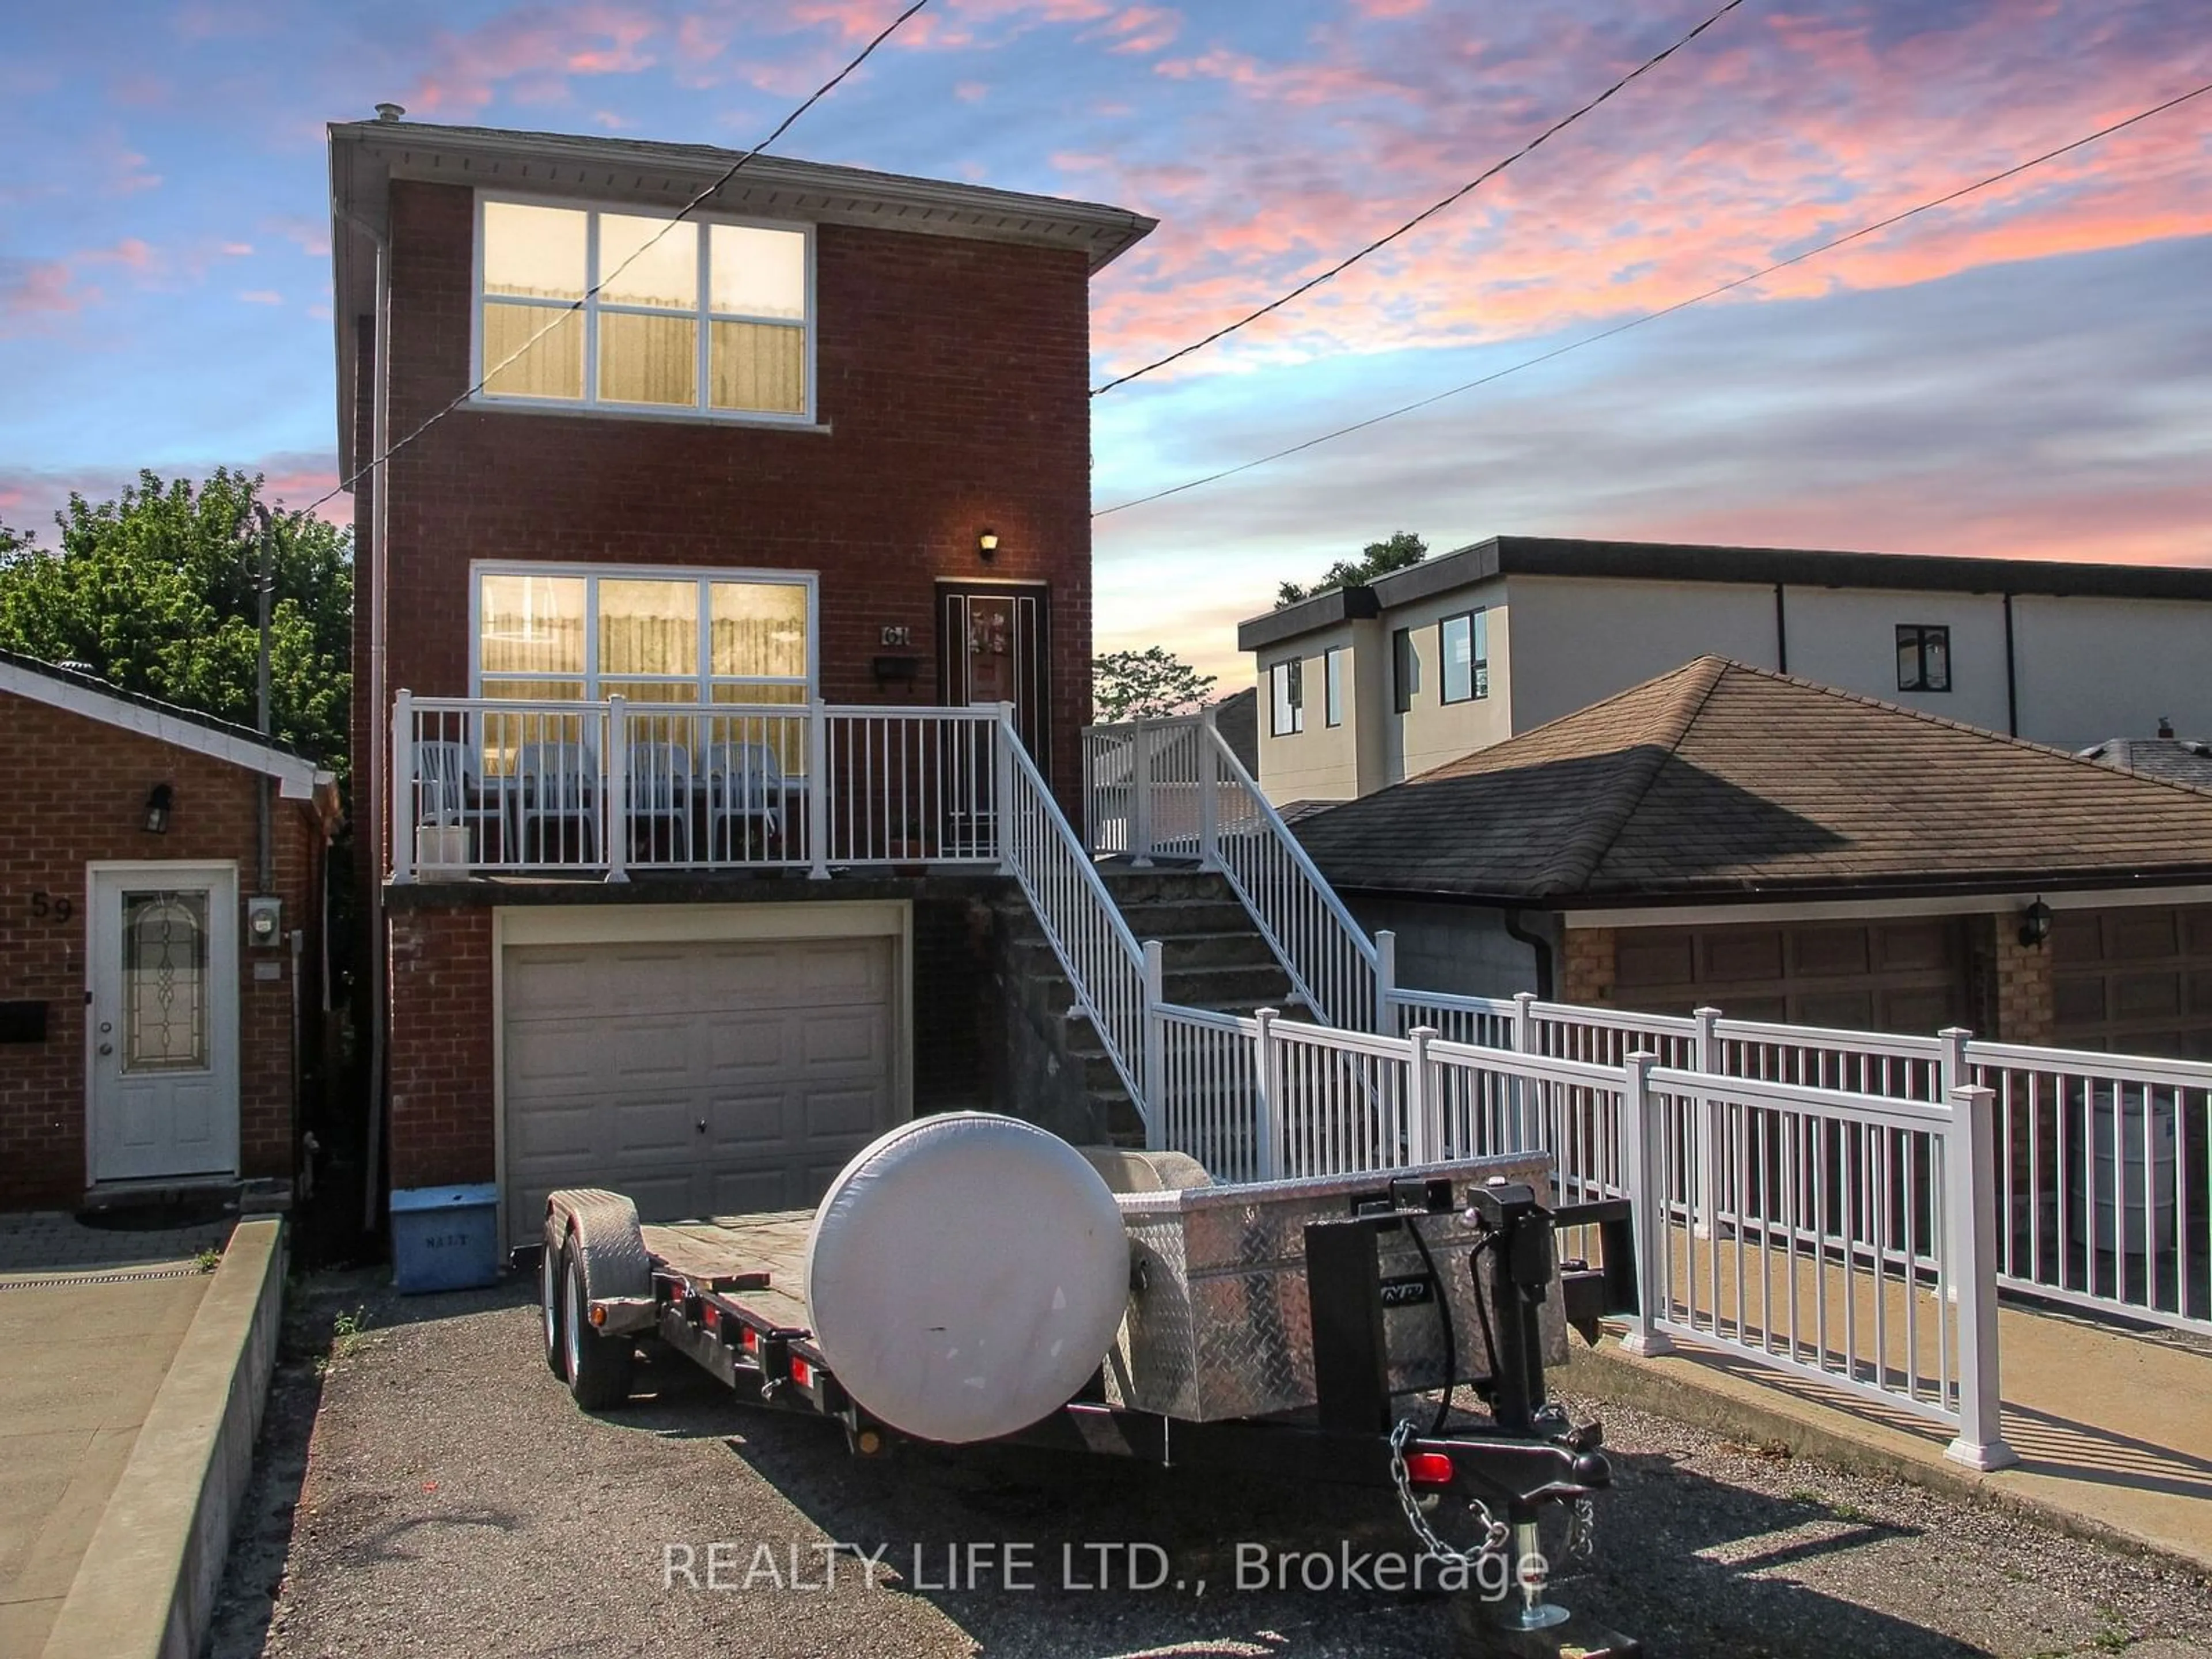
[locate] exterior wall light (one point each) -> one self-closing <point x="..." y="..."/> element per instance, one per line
<point x="2035" y="923"/>
<point x="159" y="799"/>
<point x="986" y="543"/>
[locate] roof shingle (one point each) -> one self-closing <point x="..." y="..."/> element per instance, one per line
<point x="1723" y="778"/>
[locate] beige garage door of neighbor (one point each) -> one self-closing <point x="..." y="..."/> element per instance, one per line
<point x="700" y="1079"/>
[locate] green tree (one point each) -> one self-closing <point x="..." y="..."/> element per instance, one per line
<point x="1403" y="549"/>
<point x="155" y="591"/>
<point x="1147" y="684"/>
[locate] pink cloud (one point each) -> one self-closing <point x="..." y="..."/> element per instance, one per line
<point x="261" y="296"/>
<point x="311" y="236"/>
<point x="1764" y="137"/>
<point x="970" y="92"/>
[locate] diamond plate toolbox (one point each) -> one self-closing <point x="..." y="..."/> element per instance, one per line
<point x="1219" y="1325"/>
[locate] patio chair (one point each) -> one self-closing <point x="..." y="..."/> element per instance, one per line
<point x="660" y="791"/>
<point x="743" y="784"/>
<point x="450" y="793"/>
<point x="558" y="781"/>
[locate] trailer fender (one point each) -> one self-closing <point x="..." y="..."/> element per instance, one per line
<point x="610" y="1244"/>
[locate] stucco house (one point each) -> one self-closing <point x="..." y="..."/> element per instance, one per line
<point x="1362" y="687"/>
<point x="1726" y="835"/>
<point x="161" y="949"/>
<point x="729" y="581"/>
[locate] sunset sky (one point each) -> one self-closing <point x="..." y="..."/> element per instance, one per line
<point x="2029" y="373"/>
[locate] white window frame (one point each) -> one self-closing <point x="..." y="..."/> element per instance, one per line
<point x="704" y="315"/>
<point x="1291" y="673"/>
<point x="592" y="575"/>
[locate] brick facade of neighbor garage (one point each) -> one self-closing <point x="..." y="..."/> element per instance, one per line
<point x="76" y="794"/>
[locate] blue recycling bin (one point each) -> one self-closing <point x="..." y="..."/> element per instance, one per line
<point x="445" y="1238"/>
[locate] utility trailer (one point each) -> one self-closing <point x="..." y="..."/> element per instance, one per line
<point x="1287" y="1328"/>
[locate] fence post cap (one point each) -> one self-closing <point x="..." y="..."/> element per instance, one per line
<point x="1706" y="1012"/>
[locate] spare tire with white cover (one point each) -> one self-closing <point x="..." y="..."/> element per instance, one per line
<point x="965" y="1275"/>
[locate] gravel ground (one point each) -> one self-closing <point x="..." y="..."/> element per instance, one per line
<point x="452" y="1502"/>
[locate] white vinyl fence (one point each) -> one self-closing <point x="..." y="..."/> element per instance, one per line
<point x="2101" y="1160"/>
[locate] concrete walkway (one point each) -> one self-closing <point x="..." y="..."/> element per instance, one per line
<point x="2113" y="1428"/>
<point x="79" y="1363"/>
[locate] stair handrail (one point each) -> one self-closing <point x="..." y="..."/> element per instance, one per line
<point x="1104" y="964"/>
<point x="1352" y="994"/>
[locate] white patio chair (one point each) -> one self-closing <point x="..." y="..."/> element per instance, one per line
<point x="450" y="793"/>
<point x="661" y="790"/>
<point x="743" y="783"/>
<point x="558" y="781"/>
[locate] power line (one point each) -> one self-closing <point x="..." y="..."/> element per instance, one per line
<point x="1426" y="213"/>
<point x="1665" y="311"/>
<point x="569" y="310"/>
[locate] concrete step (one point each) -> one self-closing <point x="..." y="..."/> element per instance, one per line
<point x="1165" y="919"/>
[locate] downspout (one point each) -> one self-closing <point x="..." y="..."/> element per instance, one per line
<point x="265" y="857"/>
<point x="1781" y="633"/>
<point x="2012" y="682"/>
<point x="378" y="769"/>
<point x="1539" y="947"/>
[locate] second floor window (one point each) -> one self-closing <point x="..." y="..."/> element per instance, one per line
<point x="709" y="318"/>
<point x="1924" y="658"/>
<point x="1332" y="666"/>
<point x="1465" y="639"/>
<point x="1286" y="699"/>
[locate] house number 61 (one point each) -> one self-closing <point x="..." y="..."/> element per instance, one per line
<point x="45" y="905"/>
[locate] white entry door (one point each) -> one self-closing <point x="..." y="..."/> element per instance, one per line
<point x="163" y="1094"/>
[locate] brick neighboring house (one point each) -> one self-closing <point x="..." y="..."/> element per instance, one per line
<point x="146" y="1026"/>
<point x="1731" y="836"/>
<point x="822" y="447"/>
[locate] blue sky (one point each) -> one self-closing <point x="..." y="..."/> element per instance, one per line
<point x="2030" y="372"/>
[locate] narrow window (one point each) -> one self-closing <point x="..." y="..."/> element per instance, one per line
<point x="1405" y="670"/>
<point x="1285" y="699"/>
<point x="1333" y="685"/>
<point x="1464" y="642"/>
<point x="1924" y="658"/>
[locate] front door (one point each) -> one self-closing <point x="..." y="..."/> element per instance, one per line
<point x="992" y="649"/>
<point x="163" y="1082"/>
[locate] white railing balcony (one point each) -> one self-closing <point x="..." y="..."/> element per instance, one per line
<point x="499" y="786"/>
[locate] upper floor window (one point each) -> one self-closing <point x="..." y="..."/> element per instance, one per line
<point x="560" y="633"/>
<point x="710" y="319"/>
<point x="1405" y="670"/>
<point x="1924" y="658"/>
<point x="1465" y="643"/>
<point x="1332" y="670"/>
<point x="1287" y="698"/>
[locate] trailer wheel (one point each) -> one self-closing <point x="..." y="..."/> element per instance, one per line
<point x="549" y="1311"/>
<point x="598" y="1366"/>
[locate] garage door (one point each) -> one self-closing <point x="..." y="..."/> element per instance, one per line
<point x="699" y="1079"/>
<point x="2135" y="981"/>
<point x="1905" y="976"/>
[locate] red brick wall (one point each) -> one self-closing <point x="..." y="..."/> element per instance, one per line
<point x="442" y="1046"/>
<point x="76" y="793"/>
<point x="952" y="375"/>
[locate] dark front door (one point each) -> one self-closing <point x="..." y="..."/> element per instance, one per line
<point x="991" y="648"/>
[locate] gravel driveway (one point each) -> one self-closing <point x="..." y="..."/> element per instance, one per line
<point x="452" y="1502"/>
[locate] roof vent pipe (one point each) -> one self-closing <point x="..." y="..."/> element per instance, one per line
<point x="389" y="112"/>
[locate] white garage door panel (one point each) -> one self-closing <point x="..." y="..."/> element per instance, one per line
<point x="699" y="1079"/>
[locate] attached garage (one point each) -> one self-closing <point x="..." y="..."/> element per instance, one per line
<point x="701" y="1077"/>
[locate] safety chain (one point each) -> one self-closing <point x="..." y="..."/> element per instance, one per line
<point x="1496" y="1533"/>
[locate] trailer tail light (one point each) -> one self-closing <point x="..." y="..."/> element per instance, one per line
<point x="801" y="1372"/>
<point x="713" y="1317"/>
<point x="1429" y="1469"/>
<point x="750" y="1340"/>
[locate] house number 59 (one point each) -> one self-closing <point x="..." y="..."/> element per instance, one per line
<point x="46" y="907"/>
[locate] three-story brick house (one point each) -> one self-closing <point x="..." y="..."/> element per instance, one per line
<point x="714" y="563"/>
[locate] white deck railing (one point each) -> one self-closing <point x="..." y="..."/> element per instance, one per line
<point x="1173" y="788"/>
<point x="501" y="787"/>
